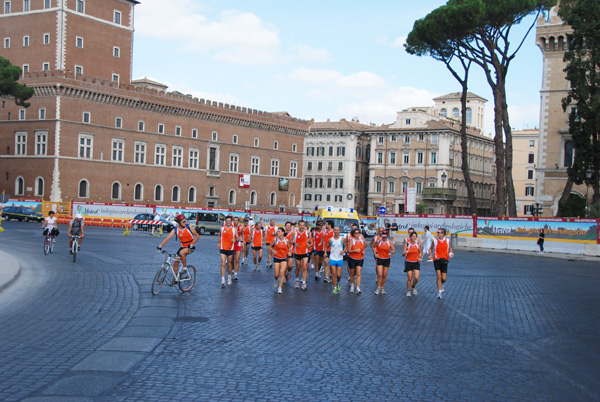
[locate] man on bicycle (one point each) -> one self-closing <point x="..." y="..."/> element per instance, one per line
<point x="76" y="229"/>
<point x="187" y="236"/>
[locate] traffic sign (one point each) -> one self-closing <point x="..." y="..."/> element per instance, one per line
<point x="381" y="210"/>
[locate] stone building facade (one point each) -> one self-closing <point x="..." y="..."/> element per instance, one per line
<point x="525" y="145"/>
<point x="92" y="135"/>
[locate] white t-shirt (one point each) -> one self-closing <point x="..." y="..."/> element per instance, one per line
<point x="50" y="222"/>
<point x="337" y="249"/>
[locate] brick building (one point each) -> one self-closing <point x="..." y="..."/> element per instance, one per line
<point x="91" y="134"/>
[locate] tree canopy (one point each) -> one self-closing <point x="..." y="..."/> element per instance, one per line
<point x="9" y="75"/>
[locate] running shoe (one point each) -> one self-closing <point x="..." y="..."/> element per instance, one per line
<point x="317" y="277"/>
<point x="414" y="290"/>
<point x="279" y="291"/>
<point x="183" y="274"/>
<point x="351" y="288"/>
<point x="235" y="276"/>
<point x="259" y="267"/>
<point x="326" y="280"/>
<point x="297" y="284"/>
<point x="358" y="290"/>
<point x="304" y="285"/>
<point x="335" y="291"/>
<point x="312" y="266"/>
<point x="222" y="283"/>
<point x="439" y="296"/>
<point x="339" y="287"/>
<point x="275" y="283"/>
<point x="408" y="294"/>
<point x="378" y="291"/>
<point x="382" y="291"/>
<point x="255" y="268"/>
<point x="229" y="280"/>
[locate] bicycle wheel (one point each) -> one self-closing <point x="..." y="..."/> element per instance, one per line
<point x="187" y="282"/>
<point x="74" y="249"/>
<point x="47" y="243"/>
<point x="159" y="280"/>
<point x="51" y="246"/>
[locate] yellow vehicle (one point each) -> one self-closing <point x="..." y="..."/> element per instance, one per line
<point x="342" y="217"/>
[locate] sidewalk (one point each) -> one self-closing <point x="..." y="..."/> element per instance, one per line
<point x="562" y="256"/>
<point x="9" y="269"/>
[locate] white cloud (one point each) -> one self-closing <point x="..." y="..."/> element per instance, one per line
<point x="235" y="36"/>
<point x="360" y="80"/>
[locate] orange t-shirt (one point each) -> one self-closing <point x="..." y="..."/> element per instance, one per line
<point x="246" y="232"/>
<point x="271" y="233"/>
<point x="301" y="242"/>
<point x="441" y="248"/>
<point x="185" y="235"/>
<point x="280" y="249"/>
<point x="412" y="252"/>
<point x="326" y="236"/>
<point x="257" y="238"/>
<point x="290" y="238"/>
<point x="227" y="236"/>
<point x="383" y="249"/>
<point x="318" y="243"/>
<point x="357" y="244"/>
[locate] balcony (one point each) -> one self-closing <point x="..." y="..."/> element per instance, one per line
<point x="439" y="194"/>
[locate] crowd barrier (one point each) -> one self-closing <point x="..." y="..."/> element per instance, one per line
<point x="154" y="228"/>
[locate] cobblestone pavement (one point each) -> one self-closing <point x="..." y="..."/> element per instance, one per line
<point x="510" y="328"/>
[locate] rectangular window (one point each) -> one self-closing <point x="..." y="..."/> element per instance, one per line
<point x="41" y="141"/>
<point x="46" y="39"/>
<point x="404" y="187"/>
<point x="42" y="113"/>
<point x="531" y="158"/>
<point x="254" y="165"/>
<point x="45" y="66"/>
<point x="293" y="168"/>
<point x="310" y="151"/>
<point x="22" y="114"/>
<point x="394" y="138"/>
<point x="309" y="166"/>
<point x="160" y="155"/>
<point x="318" y="197"/>
<point x="86" y="143"/>
<point x="275" y="145"/>
<point x="294" y="148"/>
<point x="340" y="166"/>
<point x="256" y="142"/>
<point x="434" y="138"/>
<point x="25" y="41"/>
<point x="193" y="161"/>
<point x="329" y="166"/>
<point x="25" y="68"/>
<point x="116" y="51"/>
<point x="161" y="128"/>
<point x="178" y="130"/>
<point x="215" y="136"/>
<point x="194" y="133"/>
<point x="420" y="158"/>
<point x="320" y="151"/>
<point x="392" y="157"/>
<point x="21" y="143"/>
<point x="87" y="117"/>
<point x="233" y="162"/>
<point x="531" y="143"/>
<point x="406" y="158"/>
<point x="117" y="17"/>
<point x="380" y="140"/>
<point x="407" y="122"/>
<point x="339" y="183"/>
<point x="341" y="151"/>
<point x="530" y="174"/>
<point x="79" y="70"/>
<point x="118" y="122"/>
<point x="407" y="138"/>
<point x="319" y="182"/>
<point x="115" y="78"/>
<point x="378" y="187"/>
<point x="7" y="7"/>
<point x="433" y="158"/>
<point x="329" y="182"/>
<point x="6" y="43"/>
<point x="212" y="158"/>
<point x="117" y="150"/>
<point x="79" y="42"/>
<point x="528" y="209"/>
<point x="529" y="191"/>
<point x="379" y="157"/>
<point x="140" y="152"/>
<point x="141" y="125"/>
<point x="80" y="6"/>
<point x="419" y="187"/>
<point x="391" y="187"/>
<point x="177" y="157"/>
<point x="338" y="198"/>
<point x="307" y="197"/>
<point x="319" y="166"/>
<point x="330" y="151"/>
<point x="421" y="137"/>
<point x="47" y="4"/>
<point x="308" y="182"/>
<point x="234" y="139"/>
<point x="274" y="167"/>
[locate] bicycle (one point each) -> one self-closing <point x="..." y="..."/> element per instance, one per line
<point x="75" y="246"/>
<point x="49" y="241"/>
<point x="184" y="278"/>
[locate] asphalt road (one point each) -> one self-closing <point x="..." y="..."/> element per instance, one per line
<point x="511" y="327"/>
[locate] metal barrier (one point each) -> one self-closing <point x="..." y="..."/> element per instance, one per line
<point x="154" y="228"/>
<point x="454" y="240"/>
<point x="1" y="228"/>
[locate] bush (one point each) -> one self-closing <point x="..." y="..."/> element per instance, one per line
<point x="574" y="206"/>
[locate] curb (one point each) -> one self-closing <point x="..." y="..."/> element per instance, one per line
<point x="10" y="269"/>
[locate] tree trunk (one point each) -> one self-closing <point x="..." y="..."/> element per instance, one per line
<point x="465" y="151"/>
<point x="565" y="195"/>
<point x="508" y="146"/>
<point x="500" y="155"/>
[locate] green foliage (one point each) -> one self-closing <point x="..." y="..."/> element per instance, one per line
<point x="594" y="211"/>
<point x="421" y="208"/>
<point x="9" y="75"/>
<point x="574" y="206"/>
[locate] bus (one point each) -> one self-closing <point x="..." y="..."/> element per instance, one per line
<point x="342" y="217"/>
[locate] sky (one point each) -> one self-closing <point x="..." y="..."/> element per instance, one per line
<point x="314" y="59"/>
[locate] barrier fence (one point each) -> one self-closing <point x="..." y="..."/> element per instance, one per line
<point x="154" y="228"/>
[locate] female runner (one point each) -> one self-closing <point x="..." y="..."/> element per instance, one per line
<point x="280" y="249"/>
<point x="356" y="258"/>
<point x="414" y="255"/>
<point x="384" y="249"/>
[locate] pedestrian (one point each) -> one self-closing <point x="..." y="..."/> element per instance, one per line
<point x="356" y="258"/>
<point x="156" y="222"/>
<point x="337" y="245"/>
<point x="427" y="244"/>
<point x="227" y="238"/>
<point x="442" y="252"/>
<point x="540" y="241"/>
<point x="383" y="253"/>
<point x="271" y="230"/>
<point x="258" y="241"/>
<point x="279" y="248"/>
<point x="393" y="231"/>
<point x="412" y="266"/>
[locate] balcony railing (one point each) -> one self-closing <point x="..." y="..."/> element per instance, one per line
<point x="438" y="193"/>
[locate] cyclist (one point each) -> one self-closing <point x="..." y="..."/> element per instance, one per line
<point x="50" y="225"/>
<point x="76" y="228"/>
<point x="187" y="236"/>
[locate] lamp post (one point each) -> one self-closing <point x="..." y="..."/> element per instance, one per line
<point x="444" y="177"/>
<point x="588" y="177"/>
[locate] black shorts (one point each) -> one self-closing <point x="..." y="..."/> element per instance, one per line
<point x="411" y="266"/>
<point x="352" y="263"/>
<point x="279" y="260"/>
<point x="383" y="261"/>
<point x="54" y="232"/>
<point x="227" y="252"/>
<point x="256" y="248"/>
<point x="182" y="247"/>
<point x="327" y="254"/>
<point x="441" y="264"/>
<point x="247" y="243"/>
<point x="320" y="253"/>
<point x="300" y="256"/>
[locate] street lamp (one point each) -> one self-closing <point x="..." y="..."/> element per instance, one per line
<point x="444" y="177"/>
<point x="588" y="177"/>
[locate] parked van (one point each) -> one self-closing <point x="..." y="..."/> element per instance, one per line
<point x="205" y="221"/>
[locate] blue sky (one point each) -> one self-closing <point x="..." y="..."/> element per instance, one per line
<point x="314" y="59"/>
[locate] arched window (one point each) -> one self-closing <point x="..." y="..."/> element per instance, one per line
<point x="253" y="198"/>
<point x="175" y="194"/>
<point x="444" y="112"/>
<point x="568" y="160"/>
<point x="19" y="186"/>
<point x="138" y="192"/>
<point x="192" y="195"/>
<point x="469" y="115"/>
<point x="292" y="200"/>
<point x="158" y="193"/>
<point x="455" y="112"/>
<point x="231" y="197"/>
<point x="39" y="187"/>
<point x="552" y="44"/>
<point x="116" y="191"/>
<point x="273" y="199"/>
<point x="84" y="189"/>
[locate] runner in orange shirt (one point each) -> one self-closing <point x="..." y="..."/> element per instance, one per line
<point x="327" y="235"/>
<point x="414" y="255"/>
<point x="356" y="258"/>
<point x="270" y="231"/>
<point x="246" y="234"/>
<point x="318" y="252"/>
<point x="237" y="248"/>
<point x="383" y="252"/>
<point x="441" y="249"/>
<point x="289" y="233"/>
<point x="279" y="248"/>
<point x="302" y="243"/>
<point x="227" y="238"/>
<point x="258" y="241"/>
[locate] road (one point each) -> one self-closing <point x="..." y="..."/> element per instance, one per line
<point x="511" y="327"/>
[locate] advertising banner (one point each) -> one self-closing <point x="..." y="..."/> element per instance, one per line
<point x="120" y="211"/>
<point x="36" y="205"/>
<point x="461" y="225"/>
<point x="572" y="231"/>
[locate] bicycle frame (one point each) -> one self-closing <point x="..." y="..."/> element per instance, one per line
<point x="75" y="246"/>
<point x="185" y="284"/>
<point x="48" y="242"/>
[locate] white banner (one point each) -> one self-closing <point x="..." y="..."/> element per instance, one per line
<point x="410" y="201"/>
<point x="110" y="211"/>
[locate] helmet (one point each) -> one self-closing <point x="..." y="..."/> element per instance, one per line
<point x="78" y="216"/>
<point x="179" y="217"/>
<point x="51" y="213"/>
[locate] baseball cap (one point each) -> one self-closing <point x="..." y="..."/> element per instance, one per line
<point x="78" y="216"/>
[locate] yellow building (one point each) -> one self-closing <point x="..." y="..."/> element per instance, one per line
<point x="525" y="145"/>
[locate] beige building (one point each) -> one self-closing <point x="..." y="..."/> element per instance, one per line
<point x="91" y="134"/>
<point x="555" y="150"/>
<point x="525" y="145"/>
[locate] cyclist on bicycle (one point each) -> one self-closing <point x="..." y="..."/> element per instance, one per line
<point x="49" y="225"/>
<point x="187" y="236"/>
<point x="76" y="228"/>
